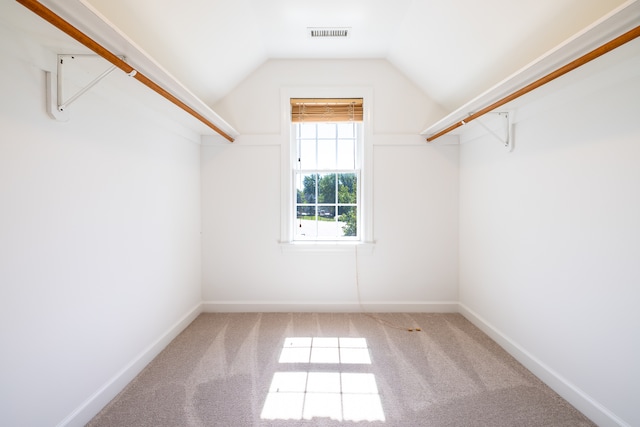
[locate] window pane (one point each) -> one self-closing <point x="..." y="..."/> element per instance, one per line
<point x="327" y="130"/>
<point x="327" y="188"/>
<point x="327" y="154"/>
<point x="306" y="212"/>
<point x="307" y="130"/>
<point x="346" y="130"/>
<point x="348" y="220"/>
<point x="347" y="188"/>
<point x="346" y="154"/>
<point x="307" y="154"/>
<point x="327" y="225"/>
<point x="306" y="224"/>
<point x="306" y="188"/>
<point x="326" y="213"/>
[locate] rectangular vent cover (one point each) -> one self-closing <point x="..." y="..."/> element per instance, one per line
<point x="328" y="32"/>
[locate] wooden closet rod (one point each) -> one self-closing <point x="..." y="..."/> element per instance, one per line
<point x="607" y="47"/>
<point x="51" y="17"/>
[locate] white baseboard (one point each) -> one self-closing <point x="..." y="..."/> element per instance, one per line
<point x="584" y="403"/>
<point x="579" y="399"/>
<point x="90" y="407"/>
<point x="329" y="307"/>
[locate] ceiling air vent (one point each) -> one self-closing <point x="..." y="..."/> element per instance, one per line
<point x="328" y="32"/>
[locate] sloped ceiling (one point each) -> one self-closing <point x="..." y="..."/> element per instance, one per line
<point x="452" y="49"/>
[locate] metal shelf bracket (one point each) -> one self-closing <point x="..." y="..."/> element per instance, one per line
<point x="507" y="132"/>
<point x="57" y="107"/>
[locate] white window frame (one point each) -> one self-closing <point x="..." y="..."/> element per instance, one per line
<point x="356" y="171"/>
<point x="288" y="162"/>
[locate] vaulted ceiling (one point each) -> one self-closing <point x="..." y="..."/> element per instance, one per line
<point x="451" y="49"/>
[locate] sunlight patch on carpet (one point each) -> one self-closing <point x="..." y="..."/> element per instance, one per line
<point x="319" y="391"/>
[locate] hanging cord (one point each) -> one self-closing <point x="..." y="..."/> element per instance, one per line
<point x="299" y="167"/>
<point x="378" y="319"/>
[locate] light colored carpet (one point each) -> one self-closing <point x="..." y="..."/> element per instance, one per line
<point x="301" y="369"/>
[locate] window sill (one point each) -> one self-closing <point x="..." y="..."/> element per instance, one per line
<point x="363" y="248"/>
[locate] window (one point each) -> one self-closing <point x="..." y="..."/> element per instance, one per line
<point x="327" y="151"/>
<point x="326" y="169"/>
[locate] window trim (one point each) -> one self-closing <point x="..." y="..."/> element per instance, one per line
<point x="288" y="160"/>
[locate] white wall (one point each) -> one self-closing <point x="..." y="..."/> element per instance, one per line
<point x="415" y="201"/>
<point x="100" y="219"/>
<point x="549" y="236"/>
<point x="99" y="240"/>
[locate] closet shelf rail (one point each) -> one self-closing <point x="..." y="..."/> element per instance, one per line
<point x="57" y="21"/>
<point x="588" y="57"/>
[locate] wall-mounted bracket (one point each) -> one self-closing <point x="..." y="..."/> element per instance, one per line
<point x="506" y="130"/>
<point x="57" y="107"/>
<point x="52" y="98"/>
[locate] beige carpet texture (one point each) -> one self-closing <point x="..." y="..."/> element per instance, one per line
<point x="322" y="369"/>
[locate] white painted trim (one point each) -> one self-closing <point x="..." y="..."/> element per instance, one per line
<point x="582" y="401"/>
<point x="98" y="400"/>
<point x="615" y="23"/>
<point x="243" y="140"/>
<point x="363" y="248"/>
<point x="395" y="140"/>
<point x="85" y="17"/>
<point x="330" y="307"/>
<point x="366" y="190"/>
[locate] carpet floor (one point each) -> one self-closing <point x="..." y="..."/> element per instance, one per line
<point x="336" y="369"/>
